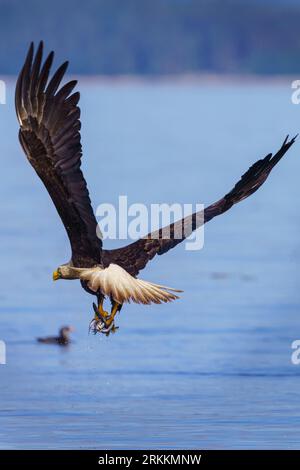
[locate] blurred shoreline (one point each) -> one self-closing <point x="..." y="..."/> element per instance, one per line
<point x="180" y="79"/>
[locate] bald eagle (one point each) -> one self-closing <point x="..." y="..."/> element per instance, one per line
<point x="49" y="118"/>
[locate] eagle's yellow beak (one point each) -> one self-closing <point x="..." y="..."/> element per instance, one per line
<point x="56" y="276"/>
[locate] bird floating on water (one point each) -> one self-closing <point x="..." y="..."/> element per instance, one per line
<point x="49" y="118"/>
<point x="63" y="339"/>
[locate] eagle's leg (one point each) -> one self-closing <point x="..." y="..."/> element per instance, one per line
<point x="110" y="326"/>
<point x="98" y="323"/>
<point x="116" y="307"/>
<point x="102" y="313"/>
<point x="103" y="322"/>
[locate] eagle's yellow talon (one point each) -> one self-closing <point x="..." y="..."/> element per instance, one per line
<point x="103" y="314"/>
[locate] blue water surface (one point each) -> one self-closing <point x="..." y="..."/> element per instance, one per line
<point x="211" y="370"/>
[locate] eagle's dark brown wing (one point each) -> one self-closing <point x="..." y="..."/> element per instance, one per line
<point x="49" y="119"/>
<point x="134" y="257"/>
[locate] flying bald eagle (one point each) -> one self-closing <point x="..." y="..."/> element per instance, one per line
<point x="49" y="119"/>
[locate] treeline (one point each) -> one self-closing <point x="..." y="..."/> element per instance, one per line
<point x="150" y="37"/>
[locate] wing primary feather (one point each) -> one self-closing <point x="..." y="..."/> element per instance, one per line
<point x="34" y="76"/>
<point x="65" y="91"/>
<point x="45" y="73"/>
<point x="49" y="119"/>
<point x="56" y="79"/>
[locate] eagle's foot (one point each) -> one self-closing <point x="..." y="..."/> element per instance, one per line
<point x="103" y="322"/>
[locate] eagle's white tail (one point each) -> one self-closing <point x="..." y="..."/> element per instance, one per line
<point x="118" y="284"/>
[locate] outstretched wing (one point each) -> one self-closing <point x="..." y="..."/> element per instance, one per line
<point x="135" y="256"/>
<point x="49" y="119"/>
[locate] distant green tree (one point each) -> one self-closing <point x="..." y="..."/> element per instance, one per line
<point x="151" y="37"/>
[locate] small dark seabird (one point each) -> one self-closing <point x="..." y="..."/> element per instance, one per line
<point x="49" y="119"/>
<point x="63" y="339"/>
